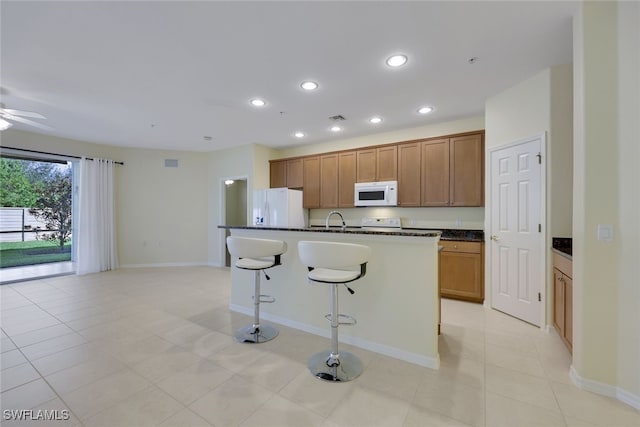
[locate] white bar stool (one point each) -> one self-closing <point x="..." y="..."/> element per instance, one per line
<point x="335" y="264"/>
<point x="257" y="255"/>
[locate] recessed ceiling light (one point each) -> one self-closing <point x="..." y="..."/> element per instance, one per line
<point x="309" y="85"/>
<point x="299" y="135"/>
<point x="396" y="60"/>
<point x="425" y="110"/>
<point x="336" y="128"/>
<point x="257" y="102"/>
<point x="375" y="120"/>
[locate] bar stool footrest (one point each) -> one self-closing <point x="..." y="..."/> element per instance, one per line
<point x="263" y="298"/>
<point x="350" y="319"/>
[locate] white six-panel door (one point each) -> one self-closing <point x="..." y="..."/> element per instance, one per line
<point x="516" y="240"/>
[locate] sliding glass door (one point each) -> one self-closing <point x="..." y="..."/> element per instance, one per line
<point x="36" y="217"/>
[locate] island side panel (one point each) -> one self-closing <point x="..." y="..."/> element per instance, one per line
<point x="396" y="303"/>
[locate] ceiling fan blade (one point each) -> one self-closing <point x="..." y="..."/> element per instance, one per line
<point x="24" y="113"/>
<point x="27" y="122"/>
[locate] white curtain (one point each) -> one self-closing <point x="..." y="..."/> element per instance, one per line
<point x="96" y="217"/>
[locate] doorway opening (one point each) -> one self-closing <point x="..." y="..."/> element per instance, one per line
<point x="234" y="208"/>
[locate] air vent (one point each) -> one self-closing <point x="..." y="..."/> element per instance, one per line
<point x="337" y="118"/>
<point x="170" y="163"/>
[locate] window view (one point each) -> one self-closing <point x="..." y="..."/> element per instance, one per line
<point x="35" y="213"/>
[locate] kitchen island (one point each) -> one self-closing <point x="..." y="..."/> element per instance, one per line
<point x="396" y="304"/>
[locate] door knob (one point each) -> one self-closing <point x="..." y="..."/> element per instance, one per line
<point x="495" y="238"/>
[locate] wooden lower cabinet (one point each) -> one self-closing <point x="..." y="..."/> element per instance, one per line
<point x="461" y="274"/>
<point x="563" y="299"/>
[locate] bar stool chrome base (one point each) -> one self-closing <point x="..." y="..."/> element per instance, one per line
<point x="256" y="334"/>
<point x="346" y="366"/>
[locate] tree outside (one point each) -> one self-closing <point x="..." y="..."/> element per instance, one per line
<point x="53" y="204"/>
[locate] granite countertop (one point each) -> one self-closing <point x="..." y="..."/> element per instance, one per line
<point x="446" y="234"/>
<point x="563" y="244"/>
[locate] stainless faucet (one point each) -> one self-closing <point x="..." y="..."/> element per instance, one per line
<point x="326" y="224"/>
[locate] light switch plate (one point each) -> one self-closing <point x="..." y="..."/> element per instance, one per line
<point x="605" y="232"/>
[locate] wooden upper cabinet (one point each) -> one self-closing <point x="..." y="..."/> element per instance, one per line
<point x="311" y="182"/>
<point x="295" y="176"/>
<point x="277" y="173"/>
<point x="286" y="173"/>
<point x="346" y="179"/>
<point x="387" y="163"/>
<point x="377" y="164"/>
<point x="467" y="172"/>
<point x="329" y="181"/>
<point x="366" y="165"/>
<point x="409" y="174"/>
<point x="435" y="172"/>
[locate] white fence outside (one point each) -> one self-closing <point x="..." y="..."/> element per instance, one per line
<point x="17" y="225"/>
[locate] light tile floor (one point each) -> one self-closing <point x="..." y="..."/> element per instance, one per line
<point x="146" y="347"/>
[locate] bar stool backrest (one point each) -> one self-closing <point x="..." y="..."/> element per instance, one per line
<point x="332" y="255"/>
<point x="245" y="247"/>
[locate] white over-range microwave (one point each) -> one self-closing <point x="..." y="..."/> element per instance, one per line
<point x="381" y="193"/>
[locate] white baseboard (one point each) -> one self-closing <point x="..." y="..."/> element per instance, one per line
<point x="166" y="264"/>
<point x="604" y="389"/>
<point x="428" y="362"/>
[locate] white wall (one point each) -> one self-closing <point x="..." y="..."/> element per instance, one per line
<point x="542" y="103"/>
<point x="606" y="285"/>
<point x="629" y="202"/>
<point x="162" y="211"/>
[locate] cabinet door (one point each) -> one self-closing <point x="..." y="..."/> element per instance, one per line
<point x="568" y="311"/>
<point x="558" y="301"/>
<point x="366" y="165"/>
<point x="461" y="271"/>
<point x="409" y="174"/>
<point x="467" y="176"/>
<point x="329" y="181"/>
<point x="387" y="163"/>
<point x="311" y="182"/>
<point x="295" y="178"/>
<point x="278" y="174"/>
<point x="346" y="179"/>
<point x="435" y="173"/>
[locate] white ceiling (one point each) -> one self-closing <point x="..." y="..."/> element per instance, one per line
<point x="165" y="74"/>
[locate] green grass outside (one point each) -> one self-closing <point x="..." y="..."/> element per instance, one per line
<point x="14" y="254"/>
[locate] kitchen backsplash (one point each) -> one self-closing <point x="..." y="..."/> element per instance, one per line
<point x="438" y="218"/>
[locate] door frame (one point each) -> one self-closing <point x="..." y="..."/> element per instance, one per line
<point x="222" y="213"/>
<point x="542" y="137"/>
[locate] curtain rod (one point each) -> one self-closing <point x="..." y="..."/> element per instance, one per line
<point x="52" y="154"/>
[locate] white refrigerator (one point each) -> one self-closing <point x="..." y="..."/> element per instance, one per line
<point x="279" y="207"/>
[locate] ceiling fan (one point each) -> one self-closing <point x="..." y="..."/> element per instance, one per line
<point x="8" y="115"/>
